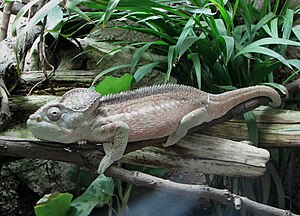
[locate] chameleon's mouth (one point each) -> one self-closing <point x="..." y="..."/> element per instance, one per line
<point x="48" y="132"/>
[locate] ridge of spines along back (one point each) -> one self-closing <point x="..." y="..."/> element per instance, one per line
<point x="146" y="91"/>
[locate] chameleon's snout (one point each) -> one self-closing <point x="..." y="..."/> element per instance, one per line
<point x="34" y="117"/>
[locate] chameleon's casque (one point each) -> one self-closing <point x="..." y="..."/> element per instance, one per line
<point x="147" y="113"/>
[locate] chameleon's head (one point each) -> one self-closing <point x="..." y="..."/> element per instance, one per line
<point x="65" y="120"/>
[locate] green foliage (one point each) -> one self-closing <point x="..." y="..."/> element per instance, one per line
<point x="97" y="194"/>
<point x="55" y="204"/>
<point x="215" y="45"/>
<point x="111" y="85"/>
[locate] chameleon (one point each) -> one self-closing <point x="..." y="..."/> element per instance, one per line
<point x="82" y="115"/>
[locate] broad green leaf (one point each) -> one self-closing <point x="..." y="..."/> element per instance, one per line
<point x="108" y="71"/>
<point x="138" y="54"/>
<point x="252" y="127"/>
<point x="39" y="16"/>
<point x="143" y="70"/>
<point x="55" y="204"/>
<point x="18" y="20"/>
<point x="97" y="194"/>
<point x="112" y="85"/>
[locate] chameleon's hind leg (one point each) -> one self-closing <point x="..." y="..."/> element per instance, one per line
<point x="194" y="118"/>
<point x="115" y="150"/>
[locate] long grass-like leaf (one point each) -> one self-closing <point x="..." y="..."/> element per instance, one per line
<point x="138" y="54"/>
<point x="296" y="31"/>
<point x="186" y="44"/>
<point x="197" y="67"/>
<point x="39" y="16"/>
<point x="72" y="7"/>
<point x="224" y="14"/>
<point x="142" y="71"/>
<point x="279" y="187"/>
<point x="252" y="127"/>
<point x="171" y="60"/>
<point x="265" y="51"/>
<point x="112" y="4"/>
<point x="17" y="22"/>
<point x="185" y="32"/>
<point x="229" y="42"/>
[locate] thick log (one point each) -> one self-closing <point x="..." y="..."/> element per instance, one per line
<point x="195" y="152"/>
<point x="276" y="128"/>
<point x="80" y="77"/>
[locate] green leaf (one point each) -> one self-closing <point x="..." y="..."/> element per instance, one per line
<point x="55" y="204"/>
<point x="265" y="51"/>
<point x="262" y="69"/>
<point x="112" y="85"/>
<point x="197" y="66"/>
<point x="288" y="24"/>
<point x="142" y="71"/>
<point x="54" y="21"/>
<point x="39" y="16"/>
<point x="18" y="20"/>
<point x="138" y="54"/>
<point x="185" y="32"/>
<point x="279" y="186"/>
<point x="171" y="60"/>
<point x="108" y="70"/>
<point x="112" y="4"/>
<point x="266" y="186"/>
<point x="296" y="31"/>
<point x="97" y="194"/>
<point x="229" y="43"/>
<point x="72" y="7"/>
<point x="187" y="43"/>
<point x="252" y="127"/>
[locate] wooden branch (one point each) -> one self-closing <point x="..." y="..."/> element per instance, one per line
<point x="194" y="152"/>
<point x="195" y="191"/>
<point x="5" y="20"/>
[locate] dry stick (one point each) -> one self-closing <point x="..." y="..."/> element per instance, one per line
<point x="43" y="60"/>
<point x="195" y="191"/>
<point x="5" y="20"/>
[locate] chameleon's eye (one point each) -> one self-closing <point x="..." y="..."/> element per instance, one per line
<point x="54" y="113"/>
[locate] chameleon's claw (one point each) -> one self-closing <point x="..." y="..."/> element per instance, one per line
<point x="82" y="142"/>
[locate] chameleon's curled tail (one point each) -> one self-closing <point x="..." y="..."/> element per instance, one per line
<point x="233" y="98"/>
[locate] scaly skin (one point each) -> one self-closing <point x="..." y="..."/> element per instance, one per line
<point x="146" y="113"/>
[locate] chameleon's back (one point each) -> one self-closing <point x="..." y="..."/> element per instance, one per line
<point x="153" y="112"/>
